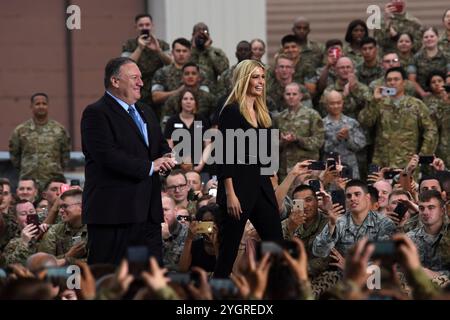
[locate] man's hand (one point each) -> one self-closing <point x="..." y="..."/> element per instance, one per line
<point x="295" y="219"/>
<point x="153" y="43"/>
<point x="164" y="164"/>
<point x="438" y="164"/>
<point x="258" y="274"/>
<point x="339" y="260"/>
<point x="357" y="261"/>
<point x="142" y="41"/>
<point x="298" y="265"/>
<point x="76" y="251"/>
<point x="412" y="164"/>
<point x="334" y="214"/>
<point x="203" y="292"/>
<point x="377" y="96"/>
<point x="28" y="233"/>
<point x="155" y="278"/>
<point x="408" y="256"/>
<point x="343" y="134"/>
<point x="352" y="81"/>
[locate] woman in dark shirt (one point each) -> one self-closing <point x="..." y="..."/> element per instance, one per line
<point x="194" y="123"/>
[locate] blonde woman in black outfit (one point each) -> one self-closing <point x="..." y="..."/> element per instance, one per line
<point x="243" y="192"/>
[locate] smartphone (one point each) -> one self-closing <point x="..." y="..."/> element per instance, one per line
<point x="398" y="7"/>
<point x="204" y="227"/>
<point x="336" y="52"/>
<point x="426" y="159"/>
<point x="347" y="172"/>
<point x="33" y="219"/>
<point x="388" y="175"/>
<point x="76" y="240"/>
<point x="75" y="182"/>
<point x="63" y="188"/>
<point x="180" y="278"/>
<point x="317" y="165"/>
<point x="447" y="87"/>
<point x="400" y="210"/>
<point x="338" y="196"/>
<point x="138" y="257"/>
<point x="405" y="181"/>
<point x="315" y="185"/>
<point x="276" y="248"/>
<point x="331" y="163"/>
<point x="223" y="286"/>
<point x="388" y="92"/>
<point x="383" y="249"/>
<point x="145" y="32"/>
<point x="373" y="168"/>
<point x="332" y="155"/>
<point x="299" y="205"/>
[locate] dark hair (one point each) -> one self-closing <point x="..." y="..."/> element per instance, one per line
<point x="190" y="64"/>
<point x="183" y="41"/>
<point x="397" y="37"/>
<point x="290" y="38"/>
<point x="72" y="193"/>
<point x="431" y="177"/>
<point x="303" y="187"/>
<point x="181" y="95"/>
<point x="352" y="25"/>
<point x="112" y="68"/>
<point x="176" y="172"/>
<point x="142" y="15"/>
<point x="396" y="69"/>
<point x="56" y="178"/>
<point x="445" y="13"/>
<point x="373" y="194"/>
<point x="38" y="94"/>
<point x="22" y="201"/>
<point x="427" y="195"/>
<point x="367" y="40"/>
<point x="432" y="28"/>
<point x="357" y="183"/>
<point x="26" y="289"/>
<point x="213" y="208"/>
<point x="333" y="42"/>
<point x="27" y="178"/>
<point x="435" y="73"/>
<point x="5" y="181"/>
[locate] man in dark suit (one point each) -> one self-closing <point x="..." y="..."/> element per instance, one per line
<point x="124" y="147"/>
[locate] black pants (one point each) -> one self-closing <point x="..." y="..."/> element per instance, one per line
<point x="109" y="243"/>
<point x="264" y="217"/>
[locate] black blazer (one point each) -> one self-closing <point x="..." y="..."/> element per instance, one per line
<point x="247" y="179"/>
<point x="118" y="188"/>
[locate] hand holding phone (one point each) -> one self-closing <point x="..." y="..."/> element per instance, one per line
<point x="205" y="227"/>
<point x="317" y="165"/>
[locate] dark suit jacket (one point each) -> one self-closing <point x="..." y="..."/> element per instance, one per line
<point x="118" y="188"/>
<point x="247" y="178"/>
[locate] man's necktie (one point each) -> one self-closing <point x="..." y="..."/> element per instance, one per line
<point x="136" y="118"/>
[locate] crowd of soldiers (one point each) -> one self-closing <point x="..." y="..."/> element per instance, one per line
<point x="363" y="179"/>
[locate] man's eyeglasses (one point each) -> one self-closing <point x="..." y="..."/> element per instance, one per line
<point x="179" y="187"/>
<point x="65" y="205"/>
<point x="390" y="61"/>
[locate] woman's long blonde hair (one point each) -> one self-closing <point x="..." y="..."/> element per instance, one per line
<point x="241" y="77"/>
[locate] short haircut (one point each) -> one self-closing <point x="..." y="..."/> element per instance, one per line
<point x="112" y="68"/>
<point x="367" y="40"/>
<point x="56" y="178"/>
<point x="72" y="193"/>
<point x="400" y="193"/>
<point x="182" y="41"/>
<point x="396" y="69"/>
<point x="352" y="25"/>
<point x="142" y="15"/>
<point x="190" y="64"/>
<point x="281" y="56"/>
<point x="176" y="172"/>
<point x="5" y="181"/>
<point x="27" y="178"/>
<point x="22" y="201"/>
<point x="333" y="42"/>
<point x="303" y="187"/>
<point x="357" y="183"/>
<point x="427" y="195"/>
<point x="38" y="94"/>
<point x="431" y="177"/>
<point x="374" y="197"/>
<point x="290" y="38"/>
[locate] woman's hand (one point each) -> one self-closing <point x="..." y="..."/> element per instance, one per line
<point x="234" y="206"/>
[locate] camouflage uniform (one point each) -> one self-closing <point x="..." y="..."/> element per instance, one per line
<point x="276" y="92"/>
<point x="174" y="245"/>
<point x="410" y="89"/>
<point x="303" y="70"/>
<point x="376" y="227"/>
<point x="346" y="148"/>
<point x="312" y="53"/>
<point x="18" y="252"/>
<point x="206" y="104"/>
<point x="148" y="62"/>
<point x="224" y="83"/>
<point x="402" y="23"/>
<point x="213" y="61"/>
<point x="444" y="44"/>
<point x="304" y="123"/>
<point x="39" y="151"/>
<point x="440" y="112"/>
<point x="58" y="239"/>
<point x="307" y="235"/>
<point x="10" y="230"/>
<point x="355" y="56"/>
<point x="367" y="74"/>
<point x="422" y="65"/>
<point x="315" y="78"/>
<point x="434" y="251"/>
<point x="169" y="78"/>
<point x="353" y="102"/>
<point x="405" y="61"/>
<point x="405" y="124"/>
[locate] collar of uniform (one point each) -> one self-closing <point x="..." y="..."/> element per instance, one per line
<point x="369" y="221"/>
<point x="69" y="230"/>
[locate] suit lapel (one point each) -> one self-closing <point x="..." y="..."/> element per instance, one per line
<point x="117" y="108"/>
<point x="148" y="122"/>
